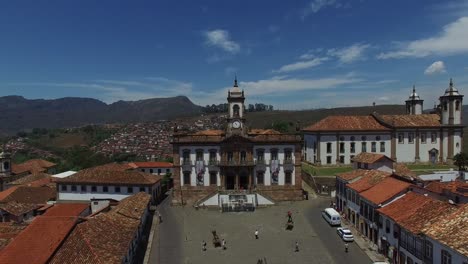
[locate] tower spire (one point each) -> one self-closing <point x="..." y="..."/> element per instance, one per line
<point x="235" y="81"/>
<point x="451" y="84"/>
<point x="414" y="88"/>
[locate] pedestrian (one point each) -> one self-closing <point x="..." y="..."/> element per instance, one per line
<point x="346" y="247"/>
<point x="223" y="243"/>
<point x="204" y="245"/>
<point x="160" y="217"/>
<point x="256" y="234"/>
<point x="297" y="247"/>
<point x="331" y="203"/>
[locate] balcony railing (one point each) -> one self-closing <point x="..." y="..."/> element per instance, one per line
<point x="186" y="165"/>
<point x="213" y="165"/>
<point x="288" y="165"/>
<point x="237" y="163"/>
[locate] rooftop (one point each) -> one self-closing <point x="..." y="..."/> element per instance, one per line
<point x="18" y="209"/>
<point x="151" y="164"/>
<point x="455" y="187"/>
<point x="31" y="178"/>
<point x="67" y="209"/>
<point x="28" y="194"/>
<point x="452" y="230"/>
<point x="32" y="166"/>
<point x="347" y="123"/>
<point x="366" y="157"/>
<point x="423" y="120"/>
<point x="400" y="169"/>
<point x="369" y="179"/>
<point x="106" y="174"/>
<point x="8" y="231"/>
<point x="404" y="207"/>
<point x="385" y="190"/>
<point x="38" y="242"/>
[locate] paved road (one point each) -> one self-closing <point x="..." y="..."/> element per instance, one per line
<point x="329" y="238"/>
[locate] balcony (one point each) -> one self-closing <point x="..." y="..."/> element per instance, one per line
<point x="213" y="165"/>
<point x="288" y="165"/>
<point x="261" y="165"/>
<point x="186" y="165"/>
<point x="236" y="163"/>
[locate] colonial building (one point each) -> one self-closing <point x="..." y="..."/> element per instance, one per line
<point x="414" y="137"/>
<point x="262" y="163"/>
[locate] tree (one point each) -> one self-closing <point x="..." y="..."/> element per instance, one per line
<point x="461" y="160"/>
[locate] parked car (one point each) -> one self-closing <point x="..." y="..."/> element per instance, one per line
<point x="345" y="234"/>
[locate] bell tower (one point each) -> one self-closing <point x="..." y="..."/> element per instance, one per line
<point x="451" y="106"/>
<point x="414" y="104"/>
<point x="5" y="169"/>
<point x="236" y="118"/>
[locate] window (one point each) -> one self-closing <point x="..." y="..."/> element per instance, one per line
<point x="117" y="189"/>
<point x="287" y="154"/>
<point x="230" y="156"/>
<point x="260" y="178"/>
<point x="382" y="146"/>
<point x="352" y="147"/>
<point x="187" y="178"/>
<point x="342" y="161"/>
<point x="387" y="226"/>
<point x="142" y="170"/>
<point x="288" y="178"/>
<point x="213" y="178"/>
<point x="329" y="159"/>
<point x="151" y="170"/>
<point x="402" y="257"/>
<point x="274" y="154"/>
<point x="423" y="137"/>
<point x="63" y="187"/>
<point x="401" y="138"/>
<point x="243" y="155"/>
<point x="445" y="257"/>
<point x="6" y="165"/>
<point x="199" y="155"/>
<point x="73" y="188"/>
<point x="374" y="147"/>
<point x="186" y="157"/>
<point x="235" y="109"/>
<point x="457" y="105"/>
<point x="105" y="189"/>
<point x="445" y="106"/>
<point x="93" y="189"/>
<point x="142" y="189"/>
<point x="159" y="171"/>
<point x="260" y="155"/>
<point x="363" y="138"/>
<point x="168" y="171"/>
<point x="403" y="239"/>
<point x="410" y="137"/>
<point x="342" y="147"/>
<point x="341" y="138"/>
<point x="212" y="155"/>
<point x="329" y="147"/>
<point x="129" y="189"/>
<point x="352" y="138"/>
<point x="83" y="188"/>
<point x="433" y="137"/>
<point x="377" y="138"/>
<point x="351" y="157"/>
<point x="363" y="146"/>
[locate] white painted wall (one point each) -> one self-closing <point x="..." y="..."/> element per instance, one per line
<point x="437" y="251"/>
<point x="87" y="195"/>
<point x="206" y="158"/>
<point x="155" y="170"/>
<point x="281" y="150"/>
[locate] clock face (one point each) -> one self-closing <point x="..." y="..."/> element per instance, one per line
<point x="236" y="124"/>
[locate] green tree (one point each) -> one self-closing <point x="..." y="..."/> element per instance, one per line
<point x="461" y="160"/>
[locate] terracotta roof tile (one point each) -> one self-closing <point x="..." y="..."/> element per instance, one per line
<point x="31" y="178"/>
<point x="67" y="209"/>
<point x="366" y="157"/>
<point x="18" y="209"/>
<point x="424" y="120"/>
<point x="38" y="242"/>
<point x="263" y="131"/>
<point x="151" y="164"/>
<point x="351" y="175"/>
<point x="456" y="187"/>
<point x="347" y="123"/>
<point x="435" y="187"/>
<point x="368" y="180"/>
<point x="106" y="237"/>
<point x="404" y="207"/>
<point x="32" y="166"/>
<point x="8" y="231"/>
<point x="114" y="166"/>
<point x="100" y="175"/>
<point x="400" y="169"/>
<point x="452" y="230"/>
<point x="26" y="194"/>
<point x="210" y="133"/>
<point x="385" y="190"/>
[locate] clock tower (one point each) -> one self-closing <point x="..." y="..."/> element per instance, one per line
<point x="236" y="118"/>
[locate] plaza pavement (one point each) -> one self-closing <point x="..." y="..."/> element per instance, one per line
<point x="183" y="229"/>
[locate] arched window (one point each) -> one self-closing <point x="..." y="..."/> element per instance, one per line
<point x="235" y="110"/>
<point x="6" y="165"/>
<point x="363" y="138"/>
<point x="341" y="138"/>
<point x="457" y="105"/>
<point x="352" y="138"/>
<point x="445" y="105"/>
<point x="377" y="138"/>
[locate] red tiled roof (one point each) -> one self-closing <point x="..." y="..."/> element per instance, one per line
<point x="27" y="194"/>
<point x="38" y="242"/>
<point x="424" y="120"/>
<point x="67" y="209"/>
<point x="369" y="179"/>
<point x="151" y="164"/>
<point x="106" y="237"/>
<point x="32" y="166"/>
<point x="263" y="131"/>
<point x="212" y="132"/>
<point x="456" y="187"/>
<point x="8" y="231"/>
<point x="404" y="207"/>
<point x="30" y="178"/>
<point x="400" y="169"/>
<point x="366" y="157"/>
<point x="99" y="175"/>
<point x="452" y="230"/>
<point x="385" y="190"/>
<point x="113" y="167"/>
<point x="351" y="175"/>
<point x="435" y="187"/>
<point x="18" y="209"/>
<point x="347" y="123"/>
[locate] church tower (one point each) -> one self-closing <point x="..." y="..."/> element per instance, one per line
<point x="236" y="118"/>
<point x="414" y="104"/>
<point x="5" y="169"/>
<point x="451" y="106"/>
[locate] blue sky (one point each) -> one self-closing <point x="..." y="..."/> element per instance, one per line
<point x="292" y="54"/>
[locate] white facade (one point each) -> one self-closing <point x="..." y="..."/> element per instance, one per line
<point x="437" y="249"/>
<point x="156" y="170"/>
<point x="192" y="150"/>
<point x="83" y="192"/>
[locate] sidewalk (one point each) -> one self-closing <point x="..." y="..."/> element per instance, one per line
<point x="369" y="248"/>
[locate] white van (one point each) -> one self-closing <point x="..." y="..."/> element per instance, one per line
<point x="331" y="216"/>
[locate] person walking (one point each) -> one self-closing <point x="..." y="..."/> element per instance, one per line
<point x="296" y="247"/>
<point x="160" y="217"/>
<point x="256" y="234"/>
<point x="204" y="245"/>
<point x="346" y="247"/>
<point x="223" y="243"/>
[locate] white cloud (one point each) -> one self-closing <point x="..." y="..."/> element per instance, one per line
<point x="349" y="54"/>
<point x="220" y="38"/>
<point x="301" y="65"/>
<point x="316" y="5"/>
<point x="307" y="56"/>
<point x="452" y="40"/>
<point x="436" y="67"/>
